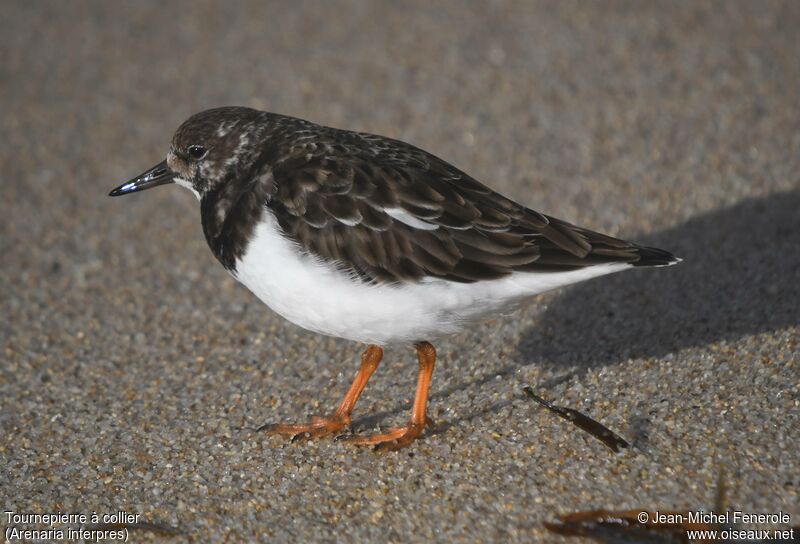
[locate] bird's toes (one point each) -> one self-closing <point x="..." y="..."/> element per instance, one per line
<point x="318" y="427"/>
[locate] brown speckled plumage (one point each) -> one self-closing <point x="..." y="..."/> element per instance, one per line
<point x="330" y="189"/>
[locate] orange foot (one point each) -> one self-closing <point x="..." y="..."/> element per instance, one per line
<point x="392" y="440"/>
<point x="318" y="427"/>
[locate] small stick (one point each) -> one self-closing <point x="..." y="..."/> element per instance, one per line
<point x="612" y="440"/>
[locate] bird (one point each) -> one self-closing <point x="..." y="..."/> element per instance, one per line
<point x="370" y="239"/>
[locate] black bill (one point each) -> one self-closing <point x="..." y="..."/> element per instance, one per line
<point x="157" y="175"/>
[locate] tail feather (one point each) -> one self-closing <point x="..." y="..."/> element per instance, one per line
<point x="652" y="256"/>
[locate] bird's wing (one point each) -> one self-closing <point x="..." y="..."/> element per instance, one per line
<point x="387" y="211"/>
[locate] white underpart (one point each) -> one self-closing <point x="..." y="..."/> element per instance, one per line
<point x="188" y="184"/>
<point x="405" y="217"/>
<point x="320" y="297"/>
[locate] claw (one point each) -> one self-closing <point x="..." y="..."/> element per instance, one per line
<point x="300" y="437"/>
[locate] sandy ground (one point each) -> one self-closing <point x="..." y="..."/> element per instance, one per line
<point x="134" y="369"/>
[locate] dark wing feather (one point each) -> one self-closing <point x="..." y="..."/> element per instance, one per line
<point x="332" y="192"/>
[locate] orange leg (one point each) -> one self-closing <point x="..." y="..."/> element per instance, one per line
<point x="319" y="427"/>
<point x="399" y="437"/>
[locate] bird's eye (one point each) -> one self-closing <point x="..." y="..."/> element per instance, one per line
<point x="197" y="151"/>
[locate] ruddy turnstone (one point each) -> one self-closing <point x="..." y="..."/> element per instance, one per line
<point x="370" y="239"/>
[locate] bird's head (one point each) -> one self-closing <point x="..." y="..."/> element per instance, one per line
<point x="210" y="148"/>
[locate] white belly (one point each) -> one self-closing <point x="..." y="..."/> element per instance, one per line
<point x="321" y="298"/>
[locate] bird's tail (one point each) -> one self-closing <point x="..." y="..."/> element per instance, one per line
<point x="652" y="256"/>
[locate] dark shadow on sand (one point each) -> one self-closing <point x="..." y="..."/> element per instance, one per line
<point x="740" y="276"/>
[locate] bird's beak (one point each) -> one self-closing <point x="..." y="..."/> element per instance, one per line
<point x="160" y="174"/>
